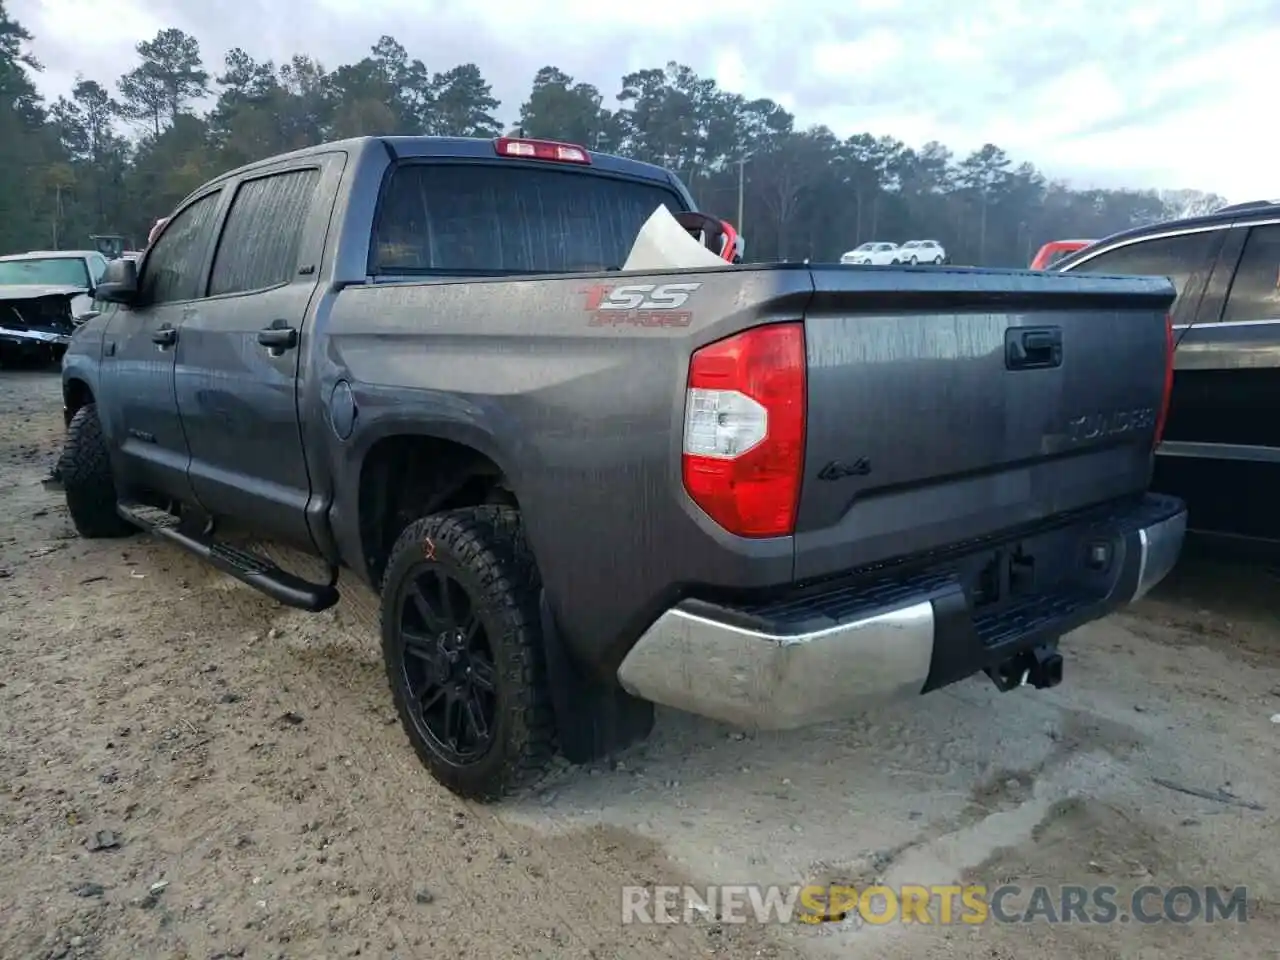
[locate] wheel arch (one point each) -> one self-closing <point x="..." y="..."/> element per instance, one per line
<point x="411" y="471"/>
<point x="76" y="393"/>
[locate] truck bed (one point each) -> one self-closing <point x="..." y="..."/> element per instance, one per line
<point x="918" y="434"/>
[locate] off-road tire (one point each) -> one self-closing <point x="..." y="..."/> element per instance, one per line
<point x="85" y="471"/>
<point x="485" y="551"/>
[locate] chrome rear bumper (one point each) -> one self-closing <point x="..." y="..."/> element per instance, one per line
<point x="776" y="679"/>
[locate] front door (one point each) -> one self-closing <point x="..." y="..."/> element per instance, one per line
<point x="238" y="355"/>
<point x="149" y="448"/>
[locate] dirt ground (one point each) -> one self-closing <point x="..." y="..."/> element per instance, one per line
<point x="187" y="770"/>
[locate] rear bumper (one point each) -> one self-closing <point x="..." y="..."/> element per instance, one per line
<point x="829" y="651"/>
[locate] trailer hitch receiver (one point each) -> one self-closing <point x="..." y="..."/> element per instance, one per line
<point x="1040" y="668"/>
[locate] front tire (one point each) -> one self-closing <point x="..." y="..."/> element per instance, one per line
<point x="462" y="646"/>
<point x="85" y="472"/>
<point x="914" y="261"/>
<point x="938" y="260"/>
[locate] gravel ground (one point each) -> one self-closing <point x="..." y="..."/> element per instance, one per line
<point x="188" y="770"/>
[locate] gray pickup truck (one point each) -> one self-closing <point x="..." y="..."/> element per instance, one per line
<point x="771" y="495"/>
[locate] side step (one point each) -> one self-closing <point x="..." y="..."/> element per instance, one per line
<point x="249" y="568"/>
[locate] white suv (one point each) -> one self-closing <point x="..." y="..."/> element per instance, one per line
<point x="877" y="254"/>
<point x="921" y="251"/>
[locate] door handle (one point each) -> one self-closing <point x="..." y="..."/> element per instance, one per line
<point x="278" y="336"/>
<point x="165" y="336"/>
<point x="1032" y="348"/>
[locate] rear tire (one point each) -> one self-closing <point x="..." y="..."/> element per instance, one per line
<point x="85" y="471"/>
<point x="462" y="647"/>
<point x="938" y="260"/>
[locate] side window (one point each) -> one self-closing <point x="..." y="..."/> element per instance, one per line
<point x="172" y="268"/>
<point x="259" y="245"/>
<point x="1255" y="291"/>
<point x="97" y="267"/>
<point x="1178" y="258"/>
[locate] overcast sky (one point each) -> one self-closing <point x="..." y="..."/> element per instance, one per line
<point x="1140" y="93"/>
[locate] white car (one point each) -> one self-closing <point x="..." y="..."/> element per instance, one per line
<point x="54" y="269"/>
<point x="921" y="251"/>
<point x="874" y="253"/>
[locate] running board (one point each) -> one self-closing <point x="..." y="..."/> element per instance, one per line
<point x="249" y="568"/>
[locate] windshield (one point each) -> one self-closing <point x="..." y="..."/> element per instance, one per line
<point x="864" y="246"/>
<point x="486" y="219"/>
<point x="44" y="272"/>
<point x="911" y="244"/>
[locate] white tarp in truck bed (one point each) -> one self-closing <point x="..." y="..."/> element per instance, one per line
<point x="662" y="244"/>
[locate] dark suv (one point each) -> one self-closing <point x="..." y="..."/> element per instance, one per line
<point x="1221" y="449"/>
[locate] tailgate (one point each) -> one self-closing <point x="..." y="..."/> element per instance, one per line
<point x="948" y="405"/>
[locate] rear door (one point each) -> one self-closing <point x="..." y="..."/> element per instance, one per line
<point x="238" y="355"/>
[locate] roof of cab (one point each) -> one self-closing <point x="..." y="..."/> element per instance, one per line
<point x="423" y="146"/>
<point x="483" y="149"/>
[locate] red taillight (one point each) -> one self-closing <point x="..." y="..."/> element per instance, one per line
<point x="744" y="430"/>
<point x="541" y="150"/>
<point x="1168" y="378"/>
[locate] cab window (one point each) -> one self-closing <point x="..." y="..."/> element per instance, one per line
<point x="1178" y="257"/>
<point x="1255" y="290"/>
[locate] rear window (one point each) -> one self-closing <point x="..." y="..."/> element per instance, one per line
<point x="478" y="219"/>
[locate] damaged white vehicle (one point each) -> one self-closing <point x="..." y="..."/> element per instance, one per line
<point x="44" y="296"/>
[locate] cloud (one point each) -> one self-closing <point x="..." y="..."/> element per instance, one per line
<point x="1105" y="93"/>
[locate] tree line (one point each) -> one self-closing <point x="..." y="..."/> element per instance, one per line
<point x="117" y="154"/>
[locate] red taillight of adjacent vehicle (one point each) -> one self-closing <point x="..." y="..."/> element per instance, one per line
<point x="529" y="149"/>
<point x="1169" y="346"/>
<point x="744" y="428"/>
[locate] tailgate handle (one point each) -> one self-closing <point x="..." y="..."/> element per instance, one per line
<point x="1032" y="348"/>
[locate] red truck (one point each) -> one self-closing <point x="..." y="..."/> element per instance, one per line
<point x="1055" y="250"/>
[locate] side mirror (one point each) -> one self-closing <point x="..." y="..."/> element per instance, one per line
<point x="86" y="316"/>
<point x="119" y="283"/>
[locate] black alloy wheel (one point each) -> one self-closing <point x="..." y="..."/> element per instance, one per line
<point x="462" y="647"/>
<point x="448" y="666"/>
